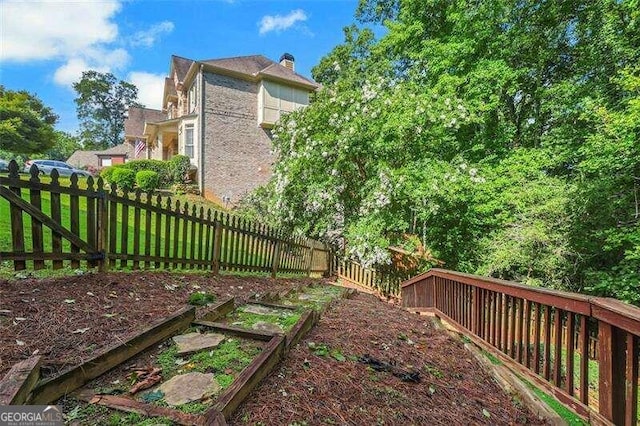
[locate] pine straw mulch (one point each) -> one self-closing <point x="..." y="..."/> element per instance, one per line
<point x="67" y="320"/>
<point x="310" y="389"/>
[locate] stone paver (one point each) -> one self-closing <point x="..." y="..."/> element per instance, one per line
<point x="267" y="326"/>
<point x="260" y="310"/>
<point x="188" y="388"/>
<point x="193" y="342"/>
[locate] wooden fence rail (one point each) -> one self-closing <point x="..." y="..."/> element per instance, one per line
<point x="524" y="326"/>
<point x="53" y="223"/>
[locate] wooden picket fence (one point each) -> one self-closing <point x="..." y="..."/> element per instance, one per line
<point x="54" y="224"/>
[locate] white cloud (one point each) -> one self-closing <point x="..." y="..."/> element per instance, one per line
<point x="41" y="30"/>
<point x="279" y="23"/>
<point x="148" y="37"/>
<point x="93" y="59"/>
<point x="150" y="88"/>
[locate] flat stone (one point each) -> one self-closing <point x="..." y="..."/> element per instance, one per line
<point x="188" y="388"/>
<point x="268" y="327"/>
<point x="260" y="310"/>
<point x="193" y="342"/>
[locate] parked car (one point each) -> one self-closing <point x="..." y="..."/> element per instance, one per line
<point x="4" y="166"/>
<point x="46" y="166"/>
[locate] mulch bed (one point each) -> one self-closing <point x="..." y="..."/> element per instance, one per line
<point x="67" y="320"/>
<point x="316" y="387"/>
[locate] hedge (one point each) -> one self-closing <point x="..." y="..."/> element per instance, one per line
<point x="124" y="178"/>
<point x="147" y="180"/>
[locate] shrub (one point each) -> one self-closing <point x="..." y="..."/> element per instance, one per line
<point x="201" y="299"/>
<point x="107" y="173"/>
<point x="162" y="168"/>
<point x="147" y="180"/>
<point x="124" y="178"/>
<point x="179" y="167"/>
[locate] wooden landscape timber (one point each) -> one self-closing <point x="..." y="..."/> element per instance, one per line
<point x="249" y="378"/>
<point x="264" y="336"/>
<point x="542" y="334"/>
<point x="220" y="310"/>
<point x="52" y="389"/>
<point x="130" y="405"/>
<point x="17" y="384"/>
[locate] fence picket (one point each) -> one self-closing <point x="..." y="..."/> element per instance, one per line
<point x="147" y="230"/>
<point x="158" y="225"/>
<point x="36" y="225"/>
<point x="56" y="215"/>
<point x="74" y="217"/>
<point x="136" y="228"/>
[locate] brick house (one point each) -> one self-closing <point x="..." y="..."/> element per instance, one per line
<point x="220" y="113"/>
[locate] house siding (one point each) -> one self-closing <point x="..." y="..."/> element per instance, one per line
<point x="237" y="151"/>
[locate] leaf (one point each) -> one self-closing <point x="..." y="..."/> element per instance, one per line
<point x="69" y="301"/>
<point x="109" y="315"/>
<point x="486" y="413"/>
<point x="20" y="343"/>
<point x="432" y="389"/>
<point x="80" y="330"/>
<point x="335" y="354"/>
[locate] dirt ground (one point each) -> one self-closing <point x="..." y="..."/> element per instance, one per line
<point x="367" y="362"/>
<point x="67" y="320"/>
<point x="313" y="387"/>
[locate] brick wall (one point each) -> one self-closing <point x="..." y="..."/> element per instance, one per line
<point x="237" y="152"/>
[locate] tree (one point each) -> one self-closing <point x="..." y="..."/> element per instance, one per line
<point x="65" y="145"/>
<point x="26" y="124"/>
<point x="102" y="103"/>
<point x="502" y="133"/>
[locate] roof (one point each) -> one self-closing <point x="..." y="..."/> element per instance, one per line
<point x="81" y="158"/>
<point x="134" y="124"/>
<point x="181" y="65"/>
<point x="259" y="65"/>
<point x="169" y="88"/>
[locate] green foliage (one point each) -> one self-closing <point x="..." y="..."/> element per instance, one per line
<point x="107" y="173"/>
<point x="65" y="144"/>
<point x="160" y="167"/>
<point x="124" y="178"/>
<point x="501" y="134"/>
<point x="201" y="299"/>
<point x="179" y="168"/>
<point x="147" y="180"/>
<point x="102" y="102"/>
<point x="26" y="124"/>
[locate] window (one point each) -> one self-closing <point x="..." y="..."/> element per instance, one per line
<point x="193" y="96"/>
<point x="275" y="99"/>
<point x="188" y="140"/>
<point x="104" y="162"/>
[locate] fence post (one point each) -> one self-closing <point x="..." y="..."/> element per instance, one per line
<point x="612" y="350"/>
<point x="310" y="260"/>
<point x="102" y="226"/>
<point x="276" y="259"/>
<point x="217" y="242"/>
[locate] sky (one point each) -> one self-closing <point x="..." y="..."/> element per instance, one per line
<point x="45" y="45"/>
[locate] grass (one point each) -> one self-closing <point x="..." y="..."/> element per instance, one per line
<point x="285" y="319"/>
<point x="319" y="296"/>
<point x="229" y="358"/>
<point x="567" y="415"/>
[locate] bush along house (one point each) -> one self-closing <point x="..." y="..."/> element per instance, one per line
<point x="220" y="113"/>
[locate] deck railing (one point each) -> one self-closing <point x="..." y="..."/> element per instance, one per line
<point x="524" y="326"/>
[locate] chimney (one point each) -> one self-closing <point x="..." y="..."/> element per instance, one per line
<point x="287" y="60"/>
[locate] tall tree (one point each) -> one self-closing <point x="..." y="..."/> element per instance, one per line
<point x="102" y="103"/>
<point x="503" y="133"/>
<point x="65" y="145"/>
<point x="26" y="124"/>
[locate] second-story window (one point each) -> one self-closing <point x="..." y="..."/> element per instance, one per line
<point x="193" y="97"/>
<point x="188" y="140"/>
